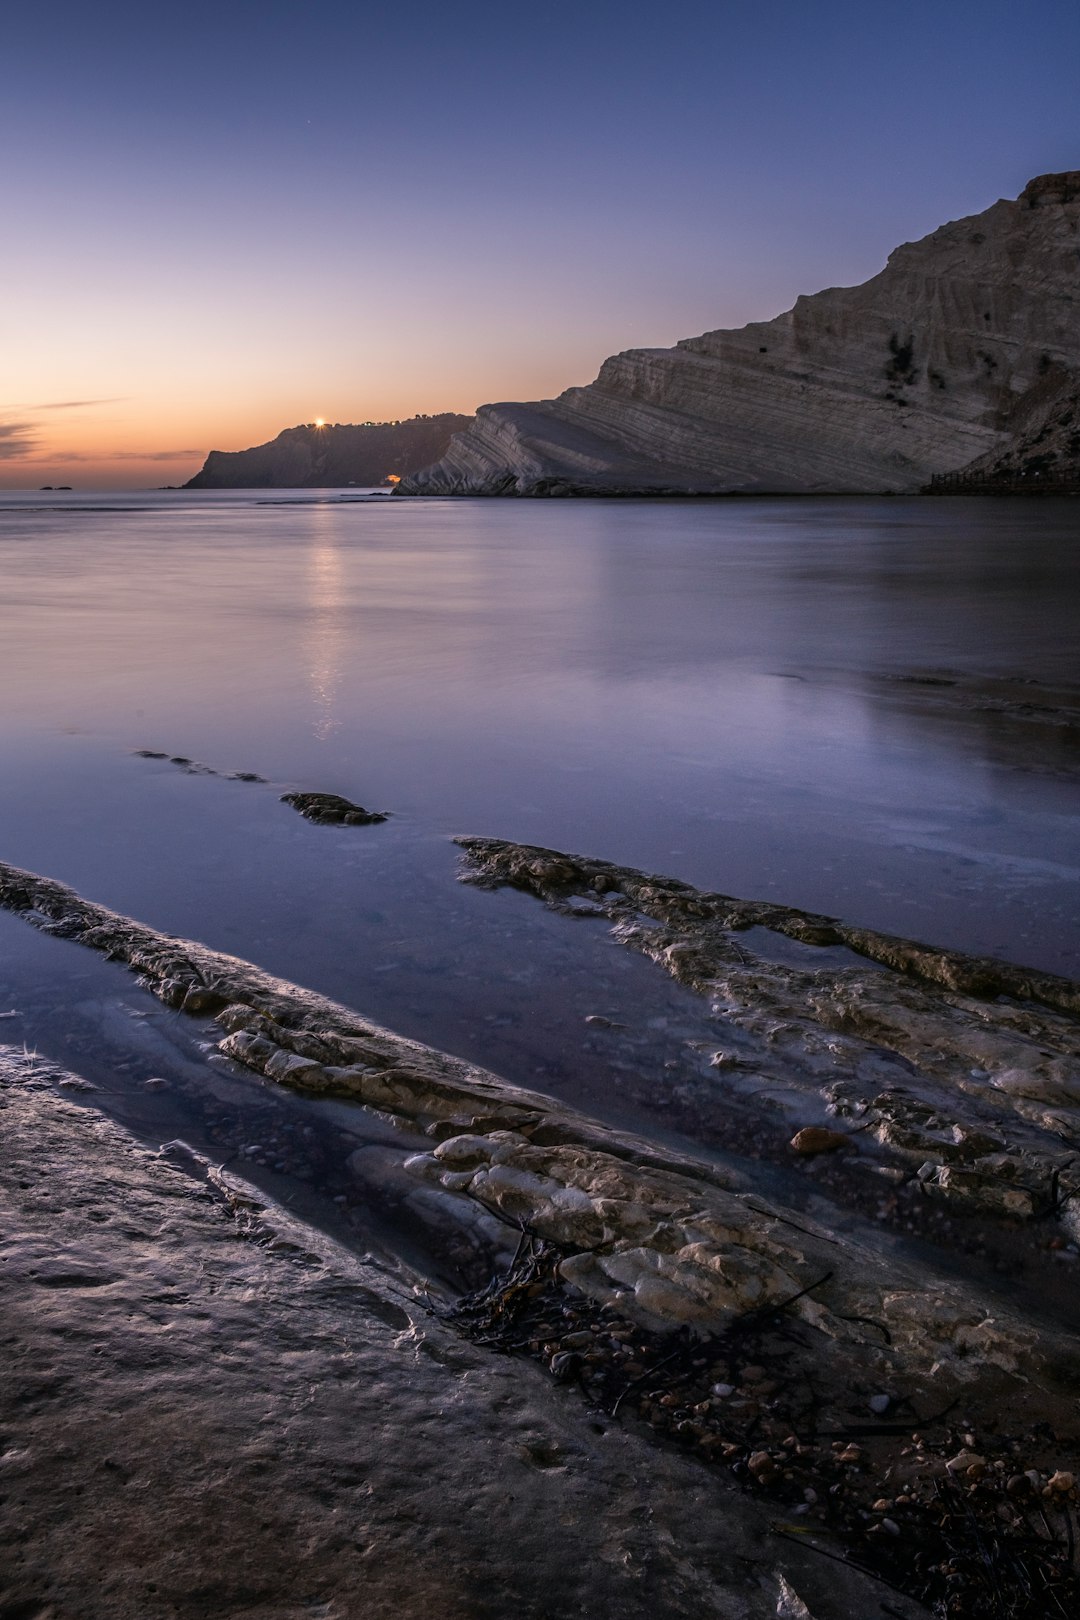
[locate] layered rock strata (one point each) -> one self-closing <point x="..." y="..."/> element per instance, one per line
<point x="943" y="358"/>
<point x="665" y="1267"/>
<point x="1043" y="451"/>
<point x="966" y="1071"/>
<point x="208" y="1407"/>
<point x="670" y="1238"/>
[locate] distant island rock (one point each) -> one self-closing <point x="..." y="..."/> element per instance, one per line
<point x="330" y="456"/>
<point x="964" y="352"/>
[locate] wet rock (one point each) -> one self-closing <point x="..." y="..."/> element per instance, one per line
<point x="964" y="1462"/>
<point x="331" y="810"/>
<point x="226" y="1372"/>
<point x="980" y="1189"/>
<point x="980" y="1060"/>
<point x="816" y="1139"/>
<point x="668" y="1240"/>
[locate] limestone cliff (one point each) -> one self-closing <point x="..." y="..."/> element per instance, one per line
<point x="941" y="360"/>
<point x="1044" y="449"/>
<point x="311" y="457"/>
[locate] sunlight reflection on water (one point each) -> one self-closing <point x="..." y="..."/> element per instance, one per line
<point x="711" y="689"/>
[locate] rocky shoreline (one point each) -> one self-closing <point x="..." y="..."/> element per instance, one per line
<point x="917" y="1079"/>
<point x="209" y="1408"/>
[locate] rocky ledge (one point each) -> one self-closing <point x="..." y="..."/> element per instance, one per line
<point x="880" y="1390"/>
<point x="210" y="1408"/>
<point x="967" y="341"/>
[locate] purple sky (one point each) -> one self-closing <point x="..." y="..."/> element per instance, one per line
<point x="222" y="220"/>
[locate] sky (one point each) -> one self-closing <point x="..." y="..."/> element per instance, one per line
<point x="223" y="219"/>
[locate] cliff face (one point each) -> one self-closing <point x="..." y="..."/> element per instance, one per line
<point x="1046" y="442"/>
<point x="327" y="457"/>
<point x="939" y="361"/>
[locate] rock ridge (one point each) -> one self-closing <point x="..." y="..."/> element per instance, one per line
<point x="939" y="361"/>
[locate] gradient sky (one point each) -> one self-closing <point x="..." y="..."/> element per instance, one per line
<point x="223" y="219"/>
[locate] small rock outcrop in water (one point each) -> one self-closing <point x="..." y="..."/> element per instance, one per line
<point x="329" y="457"/>
<point x="966" y="341"/>
<point x="332" y="810"/>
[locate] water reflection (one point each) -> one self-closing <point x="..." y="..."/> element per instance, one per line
<point x="325" y="624"/>
<point x="732" y="692"/>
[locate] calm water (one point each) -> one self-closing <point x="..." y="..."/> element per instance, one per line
<point x="714" y="690"/>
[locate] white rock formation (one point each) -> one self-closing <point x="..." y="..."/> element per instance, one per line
<point x="937" y="362"/>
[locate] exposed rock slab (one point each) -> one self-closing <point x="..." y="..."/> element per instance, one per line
<point x="668" y="1238"/>
<point x="666" y="1242"/>
<point x="946" y="356"/>
<point x="207" y="1408"/>
<point x="965" y="1070"/>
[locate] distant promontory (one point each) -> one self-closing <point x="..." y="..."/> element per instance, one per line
<point x="328" y="456"/>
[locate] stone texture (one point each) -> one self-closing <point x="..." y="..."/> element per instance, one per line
<point x="946" y="356"/>
<point x="966" y="1071"/>
<point x="208" y="1408"/>
<point x="332" y="810"/>
<point x="668" y="1238"/>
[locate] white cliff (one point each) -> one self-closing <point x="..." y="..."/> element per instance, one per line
<point x="939" y="361"/>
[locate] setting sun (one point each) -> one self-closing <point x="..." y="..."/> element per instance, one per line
<point x="320" y="421"/>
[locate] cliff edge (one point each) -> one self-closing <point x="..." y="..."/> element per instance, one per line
<point x="945" y="359"/>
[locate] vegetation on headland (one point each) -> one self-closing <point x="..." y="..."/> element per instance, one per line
<point x="330" y="455"/>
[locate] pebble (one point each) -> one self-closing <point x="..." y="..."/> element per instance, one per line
<point x="816" y="1139"/>
<point x="156" y="1083"/>
<point x="722" y="1391"/>
<point x="879" y="1404"/>
<point x="964" y="1462"/>
<point x="1061" y="1481"/>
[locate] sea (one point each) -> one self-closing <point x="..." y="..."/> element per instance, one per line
<point x="867" y="708"/>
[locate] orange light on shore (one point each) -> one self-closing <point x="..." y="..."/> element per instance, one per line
<point x="393" y="478"/>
